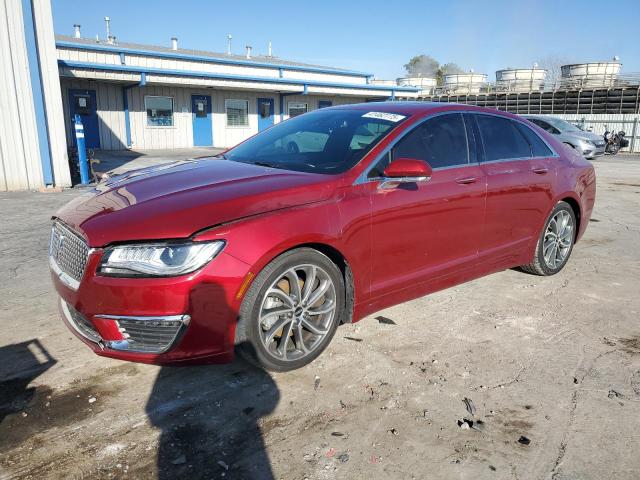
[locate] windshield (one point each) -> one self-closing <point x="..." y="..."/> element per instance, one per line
<point x="324" y="141"/>
<point x="562" y="125"/>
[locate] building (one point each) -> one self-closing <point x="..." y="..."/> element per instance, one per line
<point x="143" y="96"/>
<point x="149" y="97"/>
<point x="33" y="151"/>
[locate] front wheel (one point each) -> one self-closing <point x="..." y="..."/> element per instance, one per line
<point x="555" y="243"/>
<point x="291" y="311"/>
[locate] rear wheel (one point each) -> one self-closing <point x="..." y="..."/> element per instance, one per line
<point x="555" y="243"/>
<point x="291" y="312"/>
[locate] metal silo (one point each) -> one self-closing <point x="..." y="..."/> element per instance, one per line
<point x="589" y="75"/>
<point x="521" y="79"/>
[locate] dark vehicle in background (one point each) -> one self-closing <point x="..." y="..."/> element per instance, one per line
<point x="587" y="144"/>
<point x="615" y="141"/>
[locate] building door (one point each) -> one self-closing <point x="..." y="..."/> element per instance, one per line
<point x="83" y="103"/>
<point x="324" y="103"/>
<point x="265" y="113"/>
<point x="201" y="118"/>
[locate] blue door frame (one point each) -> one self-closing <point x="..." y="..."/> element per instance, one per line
<point x="266" y="112"/>
<point x="324" y="103"/>
<point x="83" y="103"/>
<point x="201" y="120"/>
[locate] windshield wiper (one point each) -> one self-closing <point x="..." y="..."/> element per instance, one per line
<point x="265" y="164"/>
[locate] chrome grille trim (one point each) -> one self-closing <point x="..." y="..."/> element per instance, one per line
<point x="68" y="254"/>
<point x="79" y="322"/>
<point x="147" y="334"/>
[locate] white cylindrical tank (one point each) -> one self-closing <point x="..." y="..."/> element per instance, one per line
<point x="595" y="74"/>
<point x="425" y="84"/>
<point x="461" y="83"/>
<point x="520" y="79"/>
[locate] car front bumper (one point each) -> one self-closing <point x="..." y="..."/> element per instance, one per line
<point x="191" y="318"/>
<point x="590" y="151"/>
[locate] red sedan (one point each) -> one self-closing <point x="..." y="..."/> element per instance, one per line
<point x="319" y="220"/>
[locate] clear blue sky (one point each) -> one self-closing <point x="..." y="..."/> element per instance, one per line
<point x="377" y="36"/>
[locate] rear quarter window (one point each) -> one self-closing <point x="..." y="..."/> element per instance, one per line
<point x="538" y="147"/>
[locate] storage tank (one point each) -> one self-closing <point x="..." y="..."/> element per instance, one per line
<point x="595" y="74"/>
<point x="521" y="79"/>
<point x="425" y="84"/>
<point x="461" y="83"/>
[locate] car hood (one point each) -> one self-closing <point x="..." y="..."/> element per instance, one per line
<point x="178" y="199"/>
<point x="585" y="135"/>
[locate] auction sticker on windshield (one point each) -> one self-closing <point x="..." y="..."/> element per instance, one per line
<point x="392" y="117"/>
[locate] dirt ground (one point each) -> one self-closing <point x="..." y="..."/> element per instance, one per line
<point x="550" y="368"/>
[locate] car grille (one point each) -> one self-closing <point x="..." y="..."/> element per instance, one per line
<point x="149" y="335"/>
<point x="83" y="326"/>
<point x="68" y="251"/>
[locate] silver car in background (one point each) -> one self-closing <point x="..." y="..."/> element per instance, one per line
<point x="588" y="144"/>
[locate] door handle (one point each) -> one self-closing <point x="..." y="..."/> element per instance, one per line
<point x="540" y="170"/>
<point x="466" y="180"/>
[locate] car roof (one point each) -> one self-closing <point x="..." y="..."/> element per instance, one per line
<point x="419" y="108"/>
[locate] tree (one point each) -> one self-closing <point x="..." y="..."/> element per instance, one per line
<point x="427" y="66"/>
<point x="422" y="66"/>
<point x="446" y="69"/>
<point x="552" y="64"/>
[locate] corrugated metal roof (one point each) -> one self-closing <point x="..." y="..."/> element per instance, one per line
<point x="213" y="55"/>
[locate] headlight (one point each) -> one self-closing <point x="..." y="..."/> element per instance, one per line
<point x="162" y="260"/>
<point x="590" y="143"/>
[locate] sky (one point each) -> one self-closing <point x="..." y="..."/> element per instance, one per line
<point x="377" y="36"/>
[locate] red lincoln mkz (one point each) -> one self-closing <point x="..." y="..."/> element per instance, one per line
<point x="319" y="220"/>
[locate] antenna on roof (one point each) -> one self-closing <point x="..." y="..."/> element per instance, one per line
<point x="229" y="38"/>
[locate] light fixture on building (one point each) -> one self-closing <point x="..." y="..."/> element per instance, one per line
<point x="76" y="31"/>
<point x="174" y="43"/>
<point x="248" y="47"/>
<point x="229" y="38"/>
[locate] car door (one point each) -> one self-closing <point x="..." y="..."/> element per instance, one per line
<point x="520" y="174"/>
<point x="424" y="231"/>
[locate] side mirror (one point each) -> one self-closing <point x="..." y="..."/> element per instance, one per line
<point x="405" y="170"/>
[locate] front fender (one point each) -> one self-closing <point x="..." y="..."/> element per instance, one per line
<point x="258" y="240"/>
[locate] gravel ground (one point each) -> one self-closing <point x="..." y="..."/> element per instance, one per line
<point x="550" y="368"/>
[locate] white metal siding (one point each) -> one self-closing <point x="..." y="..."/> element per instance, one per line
<point x="52" y="92"/>
<point x="149" y="61"/>
<point x="180" y="135"/>
<point x="20" y="166"/>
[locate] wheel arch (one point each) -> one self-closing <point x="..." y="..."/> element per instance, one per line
<point x="577" y="211"/>
<point x="338" y="258"/>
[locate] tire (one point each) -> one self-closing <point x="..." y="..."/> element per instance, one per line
<point x="558" y="258"/>
<point x="280" y="329"/>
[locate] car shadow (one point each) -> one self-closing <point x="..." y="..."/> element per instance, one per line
<point x="211" y="417"/>
<point x="20" y="364"/>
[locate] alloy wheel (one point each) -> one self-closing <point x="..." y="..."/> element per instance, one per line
<point x="297" y="312"/>
<point x="558" y="239"/>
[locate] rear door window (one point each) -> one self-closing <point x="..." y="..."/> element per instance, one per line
<point x="501" y="139"/>
<point x="538" y="147"/>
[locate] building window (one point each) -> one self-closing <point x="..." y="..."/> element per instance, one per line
<point x="297" y="108"/>
<point x="237" y="113"/>
<point x="159" y="111"/>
